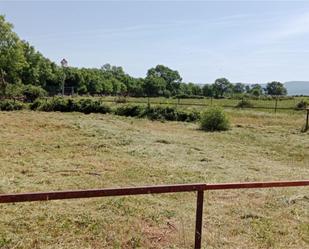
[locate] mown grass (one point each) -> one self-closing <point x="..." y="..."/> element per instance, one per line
<point x="57" y="151"/>
<point x="226" y="102"/>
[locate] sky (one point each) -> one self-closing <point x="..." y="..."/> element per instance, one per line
<point x="244" y="41"/>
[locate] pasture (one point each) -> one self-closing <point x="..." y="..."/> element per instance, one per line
<point x="257" y="103"/>
<point x="58" y="151"/>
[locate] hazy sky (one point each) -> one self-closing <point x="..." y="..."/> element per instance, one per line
<point x="246" y="41"/>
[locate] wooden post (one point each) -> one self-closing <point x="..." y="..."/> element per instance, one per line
<point x="307" y="120"/>
<point x="276" y="104"/>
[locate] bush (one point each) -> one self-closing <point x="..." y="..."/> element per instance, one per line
<point x="302" y="105"/>
<point x="11" y="105"/>
<point x="86" y="106"/>
<point x="69" y="105"/>
<point x="31" y="93"/>
<point x="214" y="119"/>
<point x="186" y="96"/>
<point x="188" y="116"/>
<point x="120" y="100"/>
<point x="36" y="105"/>
<point x="170" y="113"/>
<point x="161" y="113"/>
<point x="90" y="106"/>
<point x="15" y="91"/>
<point x="244" y="104"/>
<point x="130" y="110"/>
<point x="54" y="105"/>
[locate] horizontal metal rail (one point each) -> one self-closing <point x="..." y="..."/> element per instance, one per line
<point x="161" y="189"/>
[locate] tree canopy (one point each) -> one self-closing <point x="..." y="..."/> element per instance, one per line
<point x="275" y="88"/>
<point x="22" y="65"/>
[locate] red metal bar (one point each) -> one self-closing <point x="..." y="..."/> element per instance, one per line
<point x="46" y="196"/>
<point x="199" y="220"/>
<point x="278" y="184"/>
<point x="59" y="195"/>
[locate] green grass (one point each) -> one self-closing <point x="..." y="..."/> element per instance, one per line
<point x="285" y="103"/>
<point x="58" y="151"/>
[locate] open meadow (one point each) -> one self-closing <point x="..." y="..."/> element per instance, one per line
<point x="256" y="103"/>
<point x="41" y="151"/>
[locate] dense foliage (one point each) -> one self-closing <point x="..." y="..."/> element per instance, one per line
<point x="214" y="119"/>
<point x="21" y="64"/>
<point x="11" y="105"/>
<point x="302" y="104"/>
<point x="169" y="113"/>
<point x="244" y="104"/>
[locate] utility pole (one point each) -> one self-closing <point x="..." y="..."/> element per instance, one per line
<point x="64" y="64"/>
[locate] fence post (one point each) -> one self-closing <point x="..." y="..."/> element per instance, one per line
<point x="199" y="220"/>
<point x="307" y="120"/>
<point x="276" y="104"/>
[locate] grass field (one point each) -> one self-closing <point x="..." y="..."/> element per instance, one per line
<point x="58" y="151"/>
<point x="288" y="103"/>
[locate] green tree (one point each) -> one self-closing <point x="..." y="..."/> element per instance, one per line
<point x="275" y="88"/>
<point x="154" y="86"/>
<point x="256" y="90"/>
<point x="171" y="78"/>
<point x="208" y="90"/>
<point x="12" y="59"/>
<point x="221" y="86"/>
<point x="239" y="88"/>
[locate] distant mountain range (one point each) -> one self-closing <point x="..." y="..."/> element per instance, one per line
<point x="297" y="87"/>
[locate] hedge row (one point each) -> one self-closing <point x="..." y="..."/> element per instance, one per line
<point x="11" y="105"/>
<point x="129" y="110"/>
<point x="70" y="105"/>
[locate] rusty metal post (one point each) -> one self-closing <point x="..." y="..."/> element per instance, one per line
<point x="199" y="220"/>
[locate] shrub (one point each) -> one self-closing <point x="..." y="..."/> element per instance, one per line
<point x="69" y="105"/>
<point x="11" y="105"/>
<point x="31" y="92"/>
<point x="15" y="91"/>
<point x="86" y="106"/>
<point x="244" y="104"/>
<point x="188" y="116"/>
<point x="214" y="119"/>
<point x="36" y="104"/>
<point x="57" y="104"/>
<point x="302" y="104"/>
<point x="120" y="99"/>
<point x="90" y="106"/>
<point x="130" y="110"/>
<point x="161" y="113"/>
<point x="187" y="96"/>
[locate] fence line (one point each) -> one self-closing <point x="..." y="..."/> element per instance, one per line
<point x="273" y="104"/>
<point x="160" y="189"/>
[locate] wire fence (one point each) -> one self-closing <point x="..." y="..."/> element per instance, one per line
<point x="270" y="103"/>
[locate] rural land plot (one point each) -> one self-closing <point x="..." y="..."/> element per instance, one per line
<point x="59" y="151"/>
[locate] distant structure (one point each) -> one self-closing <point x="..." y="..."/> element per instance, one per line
<point x="64" y="63"/>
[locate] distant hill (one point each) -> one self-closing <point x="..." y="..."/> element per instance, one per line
<point x="297" y="87"/>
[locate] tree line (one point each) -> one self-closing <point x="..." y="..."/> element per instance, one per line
<point x="24" y="70"/>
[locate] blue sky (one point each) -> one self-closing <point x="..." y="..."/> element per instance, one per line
<point x="245" y="41"/>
